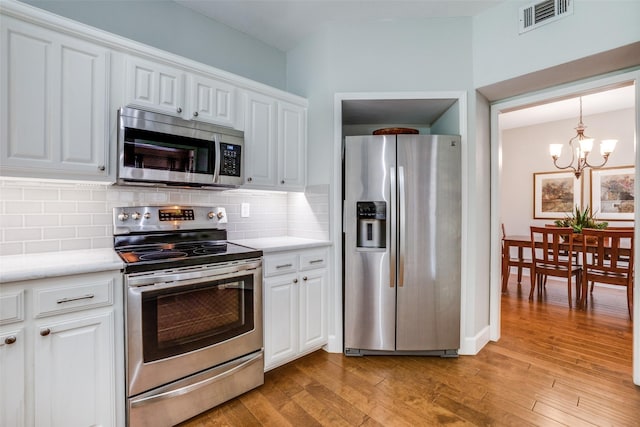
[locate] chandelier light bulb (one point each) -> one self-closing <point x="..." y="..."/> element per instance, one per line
<point x="607" y="146"/>
<point x="555" y="150"/>
<point x="586" y="145"/>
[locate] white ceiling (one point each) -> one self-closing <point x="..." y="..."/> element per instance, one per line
<point x="593" y="103"/>
<point x="285" y="23"/>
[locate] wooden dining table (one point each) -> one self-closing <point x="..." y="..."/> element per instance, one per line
<point x="521" y="241"/>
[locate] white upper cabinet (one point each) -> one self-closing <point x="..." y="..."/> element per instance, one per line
<point x="260" y="140"/>
<point x="275" y="143"/>
<point x="292" y="143"/>
<point x="154" y="86"/>
<point x="54" y="98"/>
<point x="157" y="87"/>
<point x="212" y="100"/>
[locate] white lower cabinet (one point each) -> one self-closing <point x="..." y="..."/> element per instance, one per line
<point x="70" y="331"/>
<point x="295" y="304"/>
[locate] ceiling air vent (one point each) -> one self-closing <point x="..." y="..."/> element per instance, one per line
<point x="543" y="12"/>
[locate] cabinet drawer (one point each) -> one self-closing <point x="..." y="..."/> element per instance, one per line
<point x="310" y="260"/>
<point x="280" y="264"/>
<point x="50" y="301"/>
<point x="11" y="307"/>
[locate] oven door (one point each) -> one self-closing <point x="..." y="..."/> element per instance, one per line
<point x="182" y="321"/>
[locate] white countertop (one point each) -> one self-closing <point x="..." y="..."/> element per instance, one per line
<point x="15" y="268"/>
<point x="283" y="243"/>
<point x="51" y="264"/>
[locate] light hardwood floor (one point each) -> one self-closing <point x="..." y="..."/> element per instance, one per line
<point x="553" y="366"/>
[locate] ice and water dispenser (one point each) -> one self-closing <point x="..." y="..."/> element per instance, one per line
<point x="372" y="225"/>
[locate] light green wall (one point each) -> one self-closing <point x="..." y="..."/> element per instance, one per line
<point x="168" y="26"/>
<point x="412" y="56"/>
<point x="500" y="53"/>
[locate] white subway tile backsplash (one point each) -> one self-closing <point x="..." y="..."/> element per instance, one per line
<point x="63" y="207"/>
<point x="76" y="219"/>
<point x="22" y="234"/>
<point x="59" y="233"/>
<point x="93" y="231"/>
<point x="40" y="194"/>
<point x="41" y="220"/>
<point x="75" y="244"/>
<point x="11" y="248"/>
<point x="42" y="246"/>
<point x="48" y="216"/>
<point x="7" y="221"/>
<point x="22" y="207"/>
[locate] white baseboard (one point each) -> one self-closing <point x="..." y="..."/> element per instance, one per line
<point x="472" y="345"/>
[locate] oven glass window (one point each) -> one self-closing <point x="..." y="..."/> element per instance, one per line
<point x="145" y="149"/>
<point x="187" y="318"/>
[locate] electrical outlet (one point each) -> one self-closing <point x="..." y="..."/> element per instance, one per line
<point x="244" y="210"/>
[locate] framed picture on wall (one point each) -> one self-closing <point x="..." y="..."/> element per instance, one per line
<point x="612" y="193"/>
<point x="555" y="194"/>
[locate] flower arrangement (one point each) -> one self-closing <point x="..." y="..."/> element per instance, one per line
<point x="581" y="219"/>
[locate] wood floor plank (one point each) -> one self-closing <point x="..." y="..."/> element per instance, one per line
<point x="553" y="366"/>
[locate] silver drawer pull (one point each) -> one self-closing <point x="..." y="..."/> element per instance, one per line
<point x="284" y="266"/>
<point x="63" y="300"/>
<point x="315" y="261"/>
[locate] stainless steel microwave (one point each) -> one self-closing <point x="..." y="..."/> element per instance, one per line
<point x="158" y="149"/>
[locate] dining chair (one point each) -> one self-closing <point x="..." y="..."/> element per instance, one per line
<point x="519" y="261"/>
<point x="607" y="257"/>
<point x="549" y="248"/>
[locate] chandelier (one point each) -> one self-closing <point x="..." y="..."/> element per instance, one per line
<point x="581" y="146"/>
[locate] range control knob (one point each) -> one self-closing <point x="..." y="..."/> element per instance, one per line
<point x="135" y="216"/>
<point x="211" y="215"/>
<point x="147" y="215"/>
<point x="220" y="215"/>
<point x="123" y="216"/>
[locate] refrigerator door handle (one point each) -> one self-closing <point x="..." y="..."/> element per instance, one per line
<point x="392" y="258"/>
<point x="402" y="217"/>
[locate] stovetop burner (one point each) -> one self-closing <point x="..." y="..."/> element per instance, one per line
<point x="147" y="246"/>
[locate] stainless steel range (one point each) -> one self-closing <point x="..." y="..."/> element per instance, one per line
<point x="193" y="307"/>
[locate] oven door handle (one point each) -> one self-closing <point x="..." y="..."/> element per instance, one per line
<point x="168" y="392"/>
<point x="181" y="276"/>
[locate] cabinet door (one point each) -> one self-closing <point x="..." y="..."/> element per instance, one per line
<point x="54" y="103"/>
<point x="292" y="131"/>
<point x="313" y="309"/>
<point x="75" y="382"/>
<point x="12" y="378"/>
<point x="212" y="101"/>
<point x="154" y="86"/>
<point x="260" y="141"/>
<point x="280" y="319"/>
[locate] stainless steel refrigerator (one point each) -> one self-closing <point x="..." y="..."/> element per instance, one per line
<point x="402" y="222"/>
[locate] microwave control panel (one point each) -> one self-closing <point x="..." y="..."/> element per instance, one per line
<point x="230" y="159"/>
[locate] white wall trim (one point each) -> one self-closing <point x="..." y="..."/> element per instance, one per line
<point x="337" y="341"/>
<point x="496" y="162"/>
<point x="472" y="345"/>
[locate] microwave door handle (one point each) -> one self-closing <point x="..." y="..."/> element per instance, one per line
<point x="216" y="166"/>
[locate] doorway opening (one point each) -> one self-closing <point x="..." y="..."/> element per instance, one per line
<point x="522" y="150"/>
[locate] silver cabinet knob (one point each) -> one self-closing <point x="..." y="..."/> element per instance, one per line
<point x="179" y="110"/>
<point x="282" y="182"/>
<point x="195" y="114"/>
<point x="44" y="332"/>
<point x="295" y="280"/>
<point x="101" y="168"/>
<point x="249" y="179"/>
<point x="304" y="278"/>
<point x="10" y="340"/>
